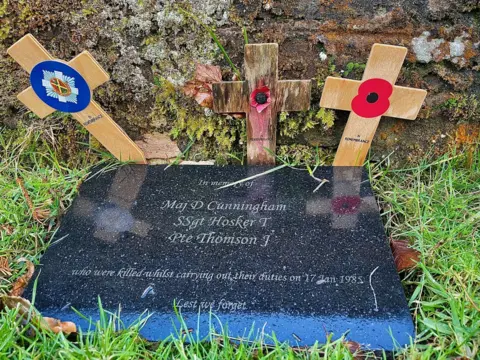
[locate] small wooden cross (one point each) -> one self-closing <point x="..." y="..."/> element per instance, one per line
<point x="261" y="97"/>
<point x="67" y="87"/>
<point x="368" y="100"/>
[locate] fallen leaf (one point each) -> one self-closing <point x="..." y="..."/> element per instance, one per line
<point x="204" y="99"/>
<point x="27" y="312"/>
<point x="200" y="87"/>
<point x="158" y="146"/>
<point x="191" y="88"/>
<point x="352" y="346"/>
<point x="208" y="73"/>
<point x="7" y="228"/>
<point x="57" y="326"/>
<point x="19" y="286"/>
<point x="405" y="257"/>
<point x="41" y="214"/>
<point x="5" y="269"/>
<point x="38" y="214"/>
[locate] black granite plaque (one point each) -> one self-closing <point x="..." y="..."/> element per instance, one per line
<point x="269" y="254"/>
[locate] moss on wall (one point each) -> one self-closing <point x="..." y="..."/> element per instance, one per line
<point x="150" y="49"/>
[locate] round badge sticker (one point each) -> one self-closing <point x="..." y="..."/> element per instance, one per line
<point x="60" y="86"/>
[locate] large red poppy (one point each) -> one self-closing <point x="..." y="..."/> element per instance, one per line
<point x="372" y="99"/>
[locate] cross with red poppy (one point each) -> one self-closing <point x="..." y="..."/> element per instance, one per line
<point x="368" y="100"/>
<point x="261" y="97"/>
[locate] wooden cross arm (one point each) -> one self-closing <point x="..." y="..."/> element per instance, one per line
<point x="405" y="103"/>
<point x="90" y="69"/>
<point x="230" y="97"/>
<point x="293" y="95"/>
<point x="28" y="52"/>
<point x="33" y="102"/>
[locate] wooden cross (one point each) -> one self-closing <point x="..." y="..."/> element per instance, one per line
<point x="67" y="87"/>
<point x="261" y="97"/>
<point x="370" y="99"/>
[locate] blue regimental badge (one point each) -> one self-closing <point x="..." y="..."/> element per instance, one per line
<point x="60" y="86"/>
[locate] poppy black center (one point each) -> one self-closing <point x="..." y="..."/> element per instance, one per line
<point x="372" y="97"/>
<point x="261" y="98"/>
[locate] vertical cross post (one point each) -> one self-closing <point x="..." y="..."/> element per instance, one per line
<point x="368" y="100"/>
<point x="67" y="87"/>
<point x="261" y="96"/>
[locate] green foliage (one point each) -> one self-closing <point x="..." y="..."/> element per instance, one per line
<point x="302" y="155"/>
<point x="213" y="35"/>
<point x="326" y="117"/>
<point x="215" y="135"/>
<point x="296" y="123"/>
<point x="324" y="71"/>
<point x="356" y="69"/>
<point x="462" y="107"/>
<point x="435" y="205"/>
<point x="29" y="155"/>
<point x="5" y="27"/>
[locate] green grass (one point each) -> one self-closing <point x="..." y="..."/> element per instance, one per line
<point x="435" y="205"/>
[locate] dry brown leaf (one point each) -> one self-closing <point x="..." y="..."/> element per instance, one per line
<point x="41" y="214"/>
<point x="5" y="269"/>
<point x="354" y="347"/>
<point x="191" y="88"/>
<point x="7" y="228"/>
<point x="57" y="326"/>
<point x="208" y="73"/>
<point x="204" y="99"/>
<point x="38" y="214"/>
<point x="26" y="311"/>
<point x="200" y="87"/>
<point x="19" y="286"/>
<point x="405" y="257"/>
<point x="158" y="146"/>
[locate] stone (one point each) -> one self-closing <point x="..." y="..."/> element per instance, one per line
<point x="277" y="253"/>
<point x="158" y="146"/>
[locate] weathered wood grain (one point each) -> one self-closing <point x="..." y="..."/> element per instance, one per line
<point x="28" y="52"/>
<point x="405" y="103"/>
<point x="356" y="140"/>
<point x="293" y="95"/>
<point x="230" y="97"/>
<point x="261" y="69"/>
<point x="385" y="62"/>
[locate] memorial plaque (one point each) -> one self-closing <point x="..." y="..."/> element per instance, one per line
<point x="268" y="254"/>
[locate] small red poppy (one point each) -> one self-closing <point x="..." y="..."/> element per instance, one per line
<point x="372" y="99"/>
<point x="260" y="98"/>
<point x="345" y="205"/>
